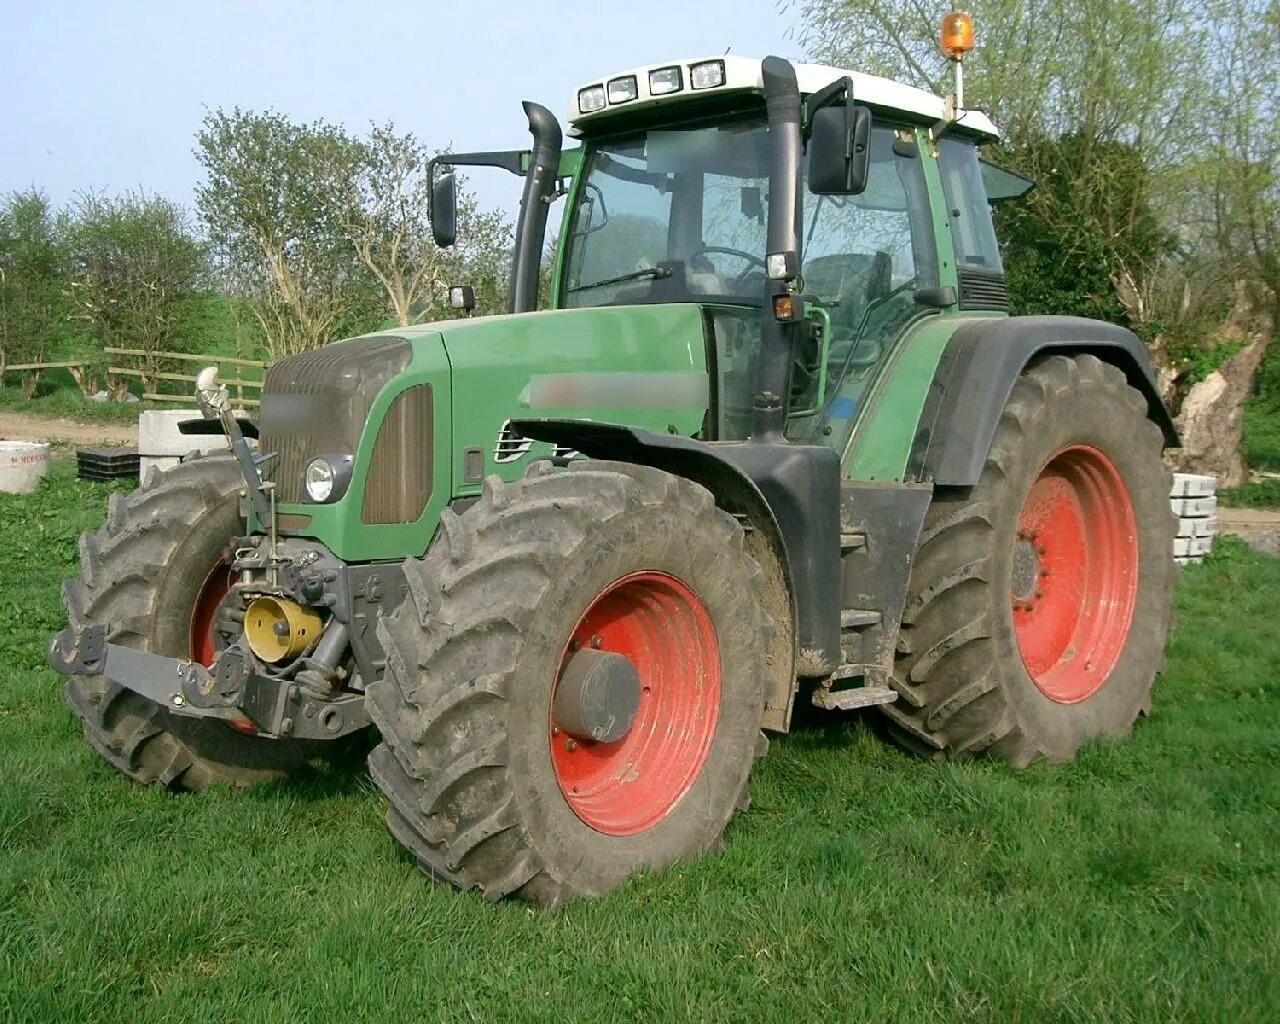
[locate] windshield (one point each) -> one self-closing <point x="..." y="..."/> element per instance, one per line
<point x="680" y="215"/>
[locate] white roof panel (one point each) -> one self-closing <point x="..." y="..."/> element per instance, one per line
<point x="743" y="74"/>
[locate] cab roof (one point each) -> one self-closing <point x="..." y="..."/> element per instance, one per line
<point x="743" y="74"/>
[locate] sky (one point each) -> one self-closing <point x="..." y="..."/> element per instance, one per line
<point x="107" y="95"/>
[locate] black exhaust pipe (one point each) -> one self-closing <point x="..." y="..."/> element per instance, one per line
<point x="778" y="336"/>
<point x="535" y="204"/>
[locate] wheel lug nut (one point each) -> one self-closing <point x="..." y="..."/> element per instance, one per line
<point x="1041" y="550"/>
<point x="596" y="642"/>
<point x="1039" y="594"/>
<point x="570" y="745"/>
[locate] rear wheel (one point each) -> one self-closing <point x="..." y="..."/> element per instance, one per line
<point x="1040" y="598"/>
<point x="574" y="684"/>
<point x="155" y="571"/>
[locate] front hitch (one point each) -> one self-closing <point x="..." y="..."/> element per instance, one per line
<point x="230" y="689"/>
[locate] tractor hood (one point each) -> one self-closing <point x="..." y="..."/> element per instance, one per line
<point x="417" y="417"/>
<point x="640" y="365"/>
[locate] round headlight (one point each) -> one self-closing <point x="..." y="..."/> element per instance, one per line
<point x="319" y="480"/>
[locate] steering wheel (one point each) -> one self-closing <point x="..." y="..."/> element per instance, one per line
<point x="725" y="250"/>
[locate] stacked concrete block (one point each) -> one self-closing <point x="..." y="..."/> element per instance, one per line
<point x="1196" y="506"/>
<point x="161" y="445"/>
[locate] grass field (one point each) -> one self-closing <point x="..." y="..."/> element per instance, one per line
<point x="1141" y="883"/>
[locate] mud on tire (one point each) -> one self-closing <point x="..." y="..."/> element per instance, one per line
<point x="142" y="572"/>
<point x="472" y="658"/>
<point x="963" y="686"/>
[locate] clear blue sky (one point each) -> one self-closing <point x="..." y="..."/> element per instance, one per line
<point x="107" y="95"/>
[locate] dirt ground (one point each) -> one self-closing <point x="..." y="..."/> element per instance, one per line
<point x="20" y="426"/>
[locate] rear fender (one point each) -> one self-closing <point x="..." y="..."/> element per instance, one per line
<point x="976" y="375"/>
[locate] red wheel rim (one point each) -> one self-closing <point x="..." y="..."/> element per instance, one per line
<point x="661" y="627"/>
<point x="1075" y="574"/>
<point x="214" y="589"/>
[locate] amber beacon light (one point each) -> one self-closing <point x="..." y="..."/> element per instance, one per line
<point x="956" y="37"/>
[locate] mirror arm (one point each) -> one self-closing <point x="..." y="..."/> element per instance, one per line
<point x="826" y="96"/>
<point x="512" y="160"/>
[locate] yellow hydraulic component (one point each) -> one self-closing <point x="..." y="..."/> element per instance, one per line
<point x="278" y="629"/>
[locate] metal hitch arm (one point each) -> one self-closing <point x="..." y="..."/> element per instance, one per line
<point x="181" y="686"/>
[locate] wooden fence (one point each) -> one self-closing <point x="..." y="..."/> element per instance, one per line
<point x="245" y="390"/>
<point x="231" y="373"/>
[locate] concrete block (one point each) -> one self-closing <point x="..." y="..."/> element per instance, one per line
<point x="1192" y="485"/>
<point x="158" y="434"/>
<point x="22" y="464"/>
<point x="1192" y="507"/>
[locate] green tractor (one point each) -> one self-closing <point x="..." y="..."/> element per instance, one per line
<point x="774" y="438"/>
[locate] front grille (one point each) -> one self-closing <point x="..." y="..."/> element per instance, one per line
<point x="982" y="289"/>
<point x="316" y="403"/>
<point x="399" y="481"/>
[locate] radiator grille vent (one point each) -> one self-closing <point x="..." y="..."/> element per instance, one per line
<point x="982" y="289"/>
<point x="510" y="445"/>
<point x="399" y="482"/>
<point x="316" y="403"/>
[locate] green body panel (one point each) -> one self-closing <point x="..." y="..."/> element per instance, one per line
<point x="886" y="424"/>
<point x="494" y="359"/>
<point x="338" y="526"/>
<point x="481" y="371"/>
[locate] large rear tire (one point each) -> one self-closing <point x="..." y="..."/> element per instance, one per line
<point x="486" y="788"/>
<point x="155" y="572"/>
<point x="1040" y="598"/>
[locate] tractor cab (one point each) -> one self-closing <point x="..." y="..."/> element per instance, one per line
<point x="669" y="198"/>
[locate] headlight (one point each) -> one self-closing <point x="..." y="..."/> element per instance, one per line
<point x="623" y="90"/>
<point x="664" y="81"/>
<point x="326" y="478"/>
<point x="591" y="99"/>
<point x="706" y="75"/>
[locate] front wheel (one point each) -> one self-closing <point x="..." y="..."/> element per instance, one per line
<point x="155" y="572"/>
<point x="1040" y="598"/>
<point x="574" y="684"/>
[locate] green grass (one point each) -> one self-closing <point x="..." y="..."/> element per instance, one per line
<point x="56" y="398"/>
<point x="1262" y="414"/>
<point x="1141" y="883"/>
<point x="1253" y="494"/>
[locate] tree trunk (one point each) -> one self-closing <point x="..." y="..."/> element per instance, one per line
<point x="1211" y="420"/>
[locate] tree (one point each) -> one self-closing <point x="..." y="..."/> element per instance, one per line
<point x="385" y="212"/>
<point x="322" y="233"/>
<point x="272" y="204"/>
<point x="1152" y="127"/>
<point x="31" y="304"/>
<point x="134" y="267"/>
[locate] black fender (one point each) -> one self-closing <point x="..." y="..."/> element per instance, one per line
<point x="788" y="498"/>
<point x="203" y="427"/>
<point x="978" y="370"/>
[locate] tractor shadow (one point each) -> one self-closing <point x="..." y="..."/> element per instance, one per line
<point x="338" y="769"/>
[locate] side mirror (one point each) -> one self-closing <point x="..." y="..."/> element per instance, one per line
<point x="444" y="210"/>
<point x="839" y="150"/>
<point x="463" y="297"/>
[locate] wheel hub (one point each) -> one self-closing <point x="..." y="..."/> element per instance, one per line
<point x="597" y="696"/>
<point x="641" y="667"/>
<point x="1073" y="577"/>
<point x="1026" y="567"/>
